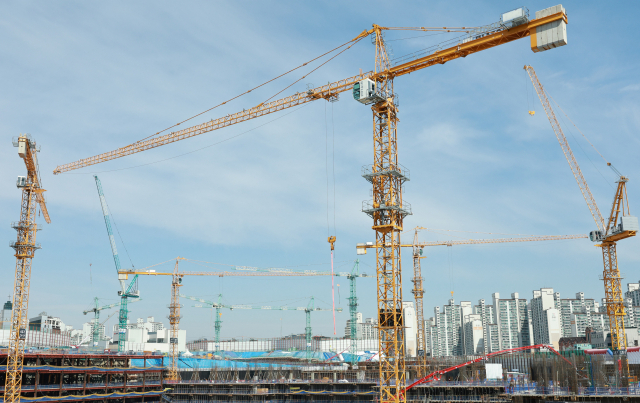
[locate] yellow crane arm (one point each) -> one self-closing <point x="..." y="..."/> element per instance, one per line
<point x="362" y="248"/>
<point x="566" y="149"/>
<point x="124" y="274"/>
<point x="502" y="240"/>
<point x="415" y="62"/>
<point x="28" y="152"/>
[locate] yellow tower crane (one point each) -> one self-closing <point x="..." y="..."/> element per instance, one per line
<point x="386" y="174"/>
<point x="25" y="247"/>
<point x="620" y="225"/>
<point x="176" y="283"/>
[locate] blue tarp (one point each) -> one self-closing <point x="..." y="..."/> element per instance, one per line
<point x="232" y="359"/>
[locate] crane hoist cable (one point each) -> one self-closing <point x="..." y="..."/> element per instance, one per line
<point x="261" y="85"/>
<point x="331" y="238"/>
<point x="192" y="151"/>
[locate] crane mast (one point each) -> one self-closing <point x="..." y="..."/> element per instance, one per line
<point x="418" y="294"/>
<point x="388" y="211"/>
<point x="353" y="313"/>
<point x="25" y="247"/>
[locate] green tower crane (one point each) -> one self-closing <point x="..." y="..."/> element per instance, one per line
<point x="308" y="309"/>
<point x="95" y="328"/>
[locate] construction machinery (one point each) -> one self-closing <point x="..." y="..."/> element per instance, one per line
<point x="126" y="292"/>
<point x="95" y="329"/>
<point x="386" y="175"/>
<point x="308" y="309"/>
<point x="620" y="224"/>
<point x="25" y="247"/>
<point x="218" y="322"/>
<point x="176" y="283"/>
<point x="89" y="336"/>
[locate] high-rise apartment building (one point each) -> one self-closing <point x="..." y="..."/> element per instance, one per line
<point x="487" y="316"/>
<point x="473" y="334"/>
<point x="633" y="292"/>
<point x="575" y="312"/>
<point x="545" y="317"/>
<point x="512" y="318"/>
<point x="410" y="329"/>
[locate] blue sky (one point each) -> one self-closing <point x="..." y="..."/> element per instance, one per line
<point x="88" y="77"/>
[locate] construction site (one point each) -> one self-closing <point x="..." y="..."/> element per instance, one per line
<point x="507" y="349"/>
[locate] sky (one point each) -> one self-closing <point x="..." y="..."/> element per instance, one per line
<point x="87" y="77"/>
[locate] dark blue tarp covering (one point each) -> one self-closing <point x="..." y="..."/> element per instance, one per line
<point x="97" y="396"/>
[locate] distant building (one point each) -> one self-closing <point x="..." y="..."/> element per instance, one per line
<point x="545" y="317"/>
<point x="87" y="331"/>
<point x="512" y="318"/>
<point x="347" y="328"/>
<point x="150" y="326"/>
<point x="444" y="331"/>
<point x="5" y="315"/>
<point x="487" y="316"/>
<point x="410" y="329"/>
<point x="633" y="293"/>
<point x="575" y="314"/>
<point x="48" y="324"/>
<point x="370" y="329"/>
<point x="473" y="334"/>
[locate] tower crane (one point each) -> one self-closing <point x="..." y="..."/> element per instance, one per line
<point x="418" y="290"/>
<point x="87" y="337"/>
<point x="25" y="247"/>
<point x="619" y="225"/>
<point x="125" y="292"/>
<point x="96" y="311"/>
<point x="176" y="283"/>
<point x="308" y="309"/>
<point x="386" y="174"/>
<point x="218" y="323"/>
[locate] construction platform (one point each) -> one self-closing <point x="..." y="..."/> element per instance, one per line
<point x="62" y="377"/>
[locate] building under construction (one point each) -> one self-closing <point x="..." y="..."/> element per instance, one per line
<point x="392" y="373"/>
<point x="62" y="376"/>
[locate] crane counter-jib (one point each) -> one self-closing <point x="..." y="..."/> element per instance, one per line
<point x="473" y="44"/>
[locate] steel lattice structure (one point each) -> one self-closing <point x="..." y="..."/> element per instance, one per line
<point x="25" y="247"/>
<point x="418" y="294"/>
<point x="386" y="175"/>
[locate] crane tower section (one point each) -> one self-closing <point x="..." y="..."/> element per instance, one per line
<point x="25" y="247"/>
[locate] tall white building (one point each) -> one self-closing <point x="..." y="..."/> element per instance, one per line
<point x="370" y="329"/>
<point x="487" y="316"/>
<point x="545" y="317"/>
<point x="444" y="330"/>
<point x="633" y="292"/>
<point x="410" y="329"/>
<point x="512" y="318"/>
<point x="473" y="334"/>
<point x="575" y="313"/>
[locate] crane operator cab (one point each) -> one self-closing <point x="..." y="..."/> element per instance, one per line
<point x="627" y="227"/>
<point x="364" y="91"/>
